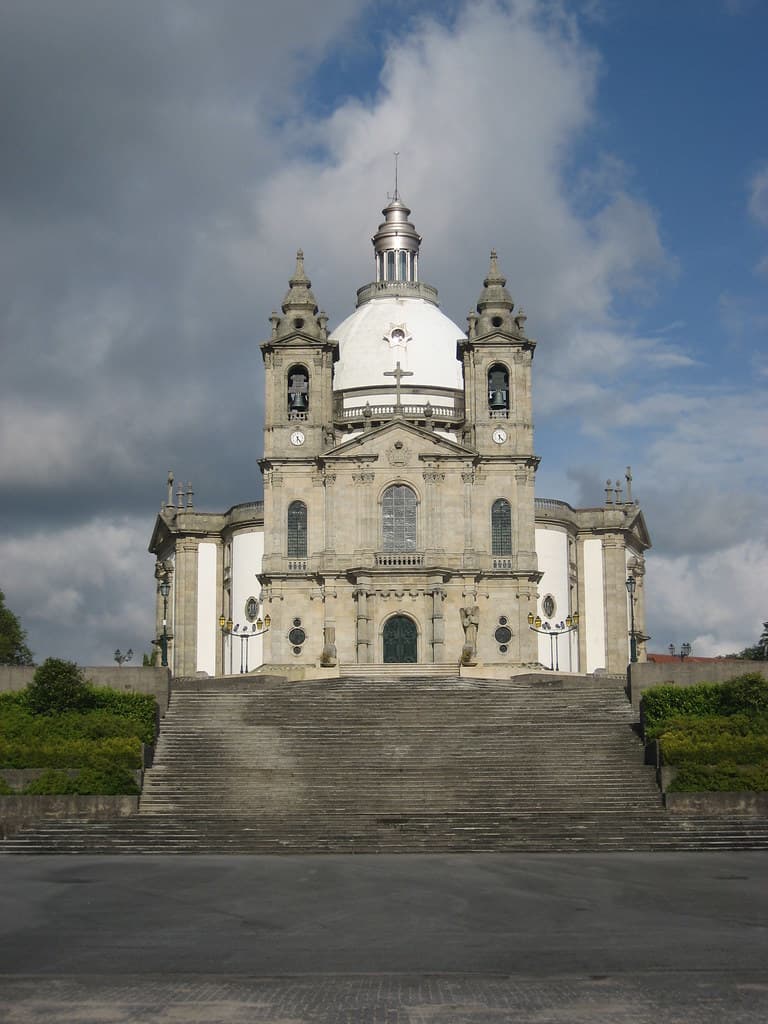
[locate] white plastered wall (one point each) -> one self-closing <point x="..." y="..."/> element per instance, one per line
<point x="207" y="621"/>
<point x="552" y="553"/>
<point x="247" y="554"/>
<point x="594" y="604"/>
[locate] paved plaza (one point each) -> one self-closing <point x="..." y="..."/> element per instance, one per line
<point x="389" y="939"/>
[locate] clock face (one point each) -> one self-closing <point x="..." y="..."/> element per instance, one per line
<point x="297" y="438"/>
<point x="499" y="435"/>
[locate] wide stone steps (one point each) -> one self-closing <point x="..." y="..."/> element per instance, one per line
<point x="423" y="762"/>
<point x="565" y="832"/>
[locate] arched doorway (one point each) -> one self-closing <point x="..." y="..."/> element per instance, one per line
<point x="400" y="634"/>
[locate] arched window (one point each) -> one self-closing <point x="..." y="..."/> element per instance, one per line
<point x="297" y="530"/>
<point x="498" y="391"/>
<point x="298" y="392"/>
<point x="501" y="527"/>
<point x="398" y="517"/>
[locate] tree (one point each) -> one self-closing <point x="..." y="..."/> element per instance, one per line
<point x="760" y="650"/>
<point x="58" y="686"/>
<point x="13" y="647"/>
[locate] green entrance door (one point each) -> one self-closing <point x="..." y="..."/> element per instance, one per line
<point x="400" y="640"/>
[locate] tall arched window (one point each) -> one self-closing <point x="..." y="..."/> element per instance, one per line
<point x="297" y="530"/>
<point x="298" y="392"/>
<point x="398" y="517"/>
<point x="498" y="391"/>
<point x="501" y="527"/>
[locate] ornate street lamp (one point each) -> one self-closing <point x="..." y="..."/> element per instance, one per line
<point x="631" y="584"/>
<point x="685" y="651"/>
<point x="120" y="657"/>
<point x="164" y="589"/>
<point x="258" y="628"/>
<point x="554" y="633"/>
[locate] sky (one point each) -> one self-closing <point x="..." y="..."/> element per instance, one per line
<point x="163" y="160"/>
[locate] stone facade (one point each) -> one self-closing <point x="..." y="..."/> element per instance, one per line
<point x="399" y="522"/>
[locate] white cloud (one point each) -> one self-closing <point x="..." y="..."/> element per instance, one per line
<point x="692" y="593"/>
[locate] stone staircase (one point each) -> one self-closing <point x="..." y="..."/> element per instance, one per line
<point x="410" y="763"/>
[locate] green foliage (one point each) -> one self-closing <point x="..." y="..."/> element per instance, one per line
<point x="140" y="709"/>
<point x="721" y="778"/>
<point x="680" y="748"/>
<point x="5" y="789"/>
<point x="662" y="703"/>
<point x="119" y="751"/>
<point x="747" y="693"/>
<point x="88" y="782"/>
<point x="58" y="686"/>
<point x="13" y="645"/>
<point x="151" y="660"/>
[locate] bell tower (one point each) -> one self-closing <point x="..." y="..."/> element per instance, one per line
<point x="497" y="358"/>
<point x="298" y="364"/>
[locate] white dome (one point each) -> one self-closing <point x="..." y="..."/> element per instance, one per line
<point x="411" y="331"/>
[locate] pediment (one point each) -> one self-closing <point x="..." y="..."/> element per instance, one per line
<point x="639" y="528"/>
<point x="395" y="437"/>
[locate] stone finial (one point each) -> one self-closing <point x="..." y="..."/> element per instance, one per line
<point x="170" y="488"/>
<point x="619" y="499"/>
<point x="190" y="495"/>
<point x="608" y="492"/>
<point x="180" y="496"/>
<point x="299" y="297"/>
<point x="495" y="304"/>
<point x="628" y="478"/>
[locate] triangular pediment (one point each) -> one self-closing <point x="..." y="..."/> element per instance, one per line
<point x="638" y="527"/>
<point x="299" y="339"/>
<point x="424" y="443"/>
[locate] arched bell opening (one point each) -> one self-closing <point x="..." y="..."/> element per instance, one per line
<point x="298" y="392"/>
<point x="498" y="391"/>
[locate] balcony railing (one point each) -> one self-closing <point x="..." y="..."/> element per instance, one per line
<point x="410" y="411"/>
<point x="399" y="559"/>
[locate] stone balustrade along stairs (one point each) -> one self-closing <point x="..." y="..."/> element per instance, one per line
<point x="382" y="763"/>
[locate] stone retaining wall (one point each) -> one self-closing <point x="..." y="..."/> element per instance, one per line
<point x="18" y="811"/>
<point x="753" y="804"/>
<point x="642" y="675"/>
<point x="153" y="681"/>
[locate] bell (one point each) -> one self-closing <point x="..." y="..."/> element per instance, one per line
<point x="298" y="402"/>
<point x="498" y="401"/>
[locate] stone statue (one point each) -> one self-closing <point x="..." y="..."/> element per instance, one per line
<point x="470" y="620"/>
<point x="328" y="657"/>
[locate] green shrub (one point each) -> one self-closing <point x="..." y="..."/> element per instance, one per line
<point x="88" y="782"/>
<point x="663" y="702"/>
<point x="58" y="686"/>
<point x="721" y="778"/>
<point x="138" y="708"/>
<point x="53" y="782"/>
<point x="119" y="751"/>
<point x="5" y="789"/>
<point x="679" y="748"/>
<point x="748" y="693"/>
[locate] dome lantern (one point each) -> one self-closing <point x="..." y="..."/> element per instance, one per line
<point x="396" y="245"/>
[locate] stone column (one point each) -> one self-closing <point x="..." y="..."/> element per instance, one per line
<point x="363" y="627"/>
<point x="616" y="606"/>
<point x="438" y="624"/>
<point x="468" y="478"/>
<point x="184" y="642"/>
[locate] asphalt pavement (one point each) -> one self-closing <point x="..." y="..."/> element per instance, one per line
<point x="471" y="939"/>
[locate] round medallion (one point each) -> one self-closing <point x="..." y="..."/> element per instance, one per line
<point x="499" y="435"/>
<point x="297" y="438"/>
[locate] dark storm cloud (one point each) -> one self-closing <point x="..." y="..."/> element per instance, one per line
<point x="133" y="135"/>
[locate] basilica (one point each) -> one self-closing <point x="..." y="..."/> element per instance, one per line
<point x="400" y="523"/>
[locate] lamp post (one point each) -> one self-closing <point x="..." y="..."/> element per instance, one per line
<point x="164" y="589"/>
<point x="631" y="584"/>
<point x="554" y="633"/>
<point x="120" y="657"/>
<point x="685" y="651"/>
<point x="258" y="628"/>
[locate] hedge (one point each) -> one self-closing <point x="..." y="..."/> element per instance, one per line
<point x="745" y="694"/>
<point x="722" y="778"/>
<point x="118" y="751"/>
<point x="88" y="782"/>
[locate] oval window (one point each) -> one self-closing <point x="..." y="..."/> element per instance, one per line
<point x="503" y="635"/>
<point x="297" y="636"/>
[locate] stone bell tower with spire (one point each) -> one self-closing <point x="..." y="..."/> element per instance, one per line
<point x="298" y="364"/>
